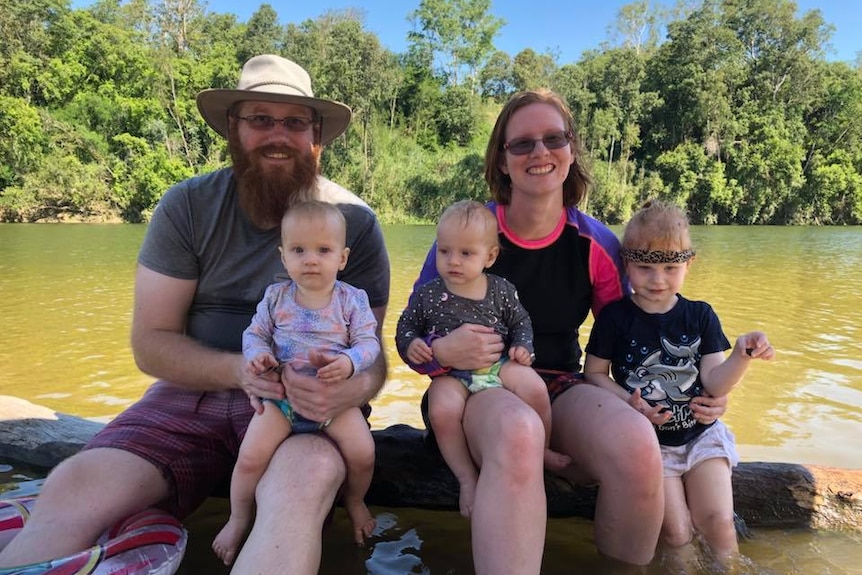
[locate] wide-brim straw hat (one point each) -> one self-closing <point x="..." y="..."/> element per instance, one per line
<point x="270" y="78"/>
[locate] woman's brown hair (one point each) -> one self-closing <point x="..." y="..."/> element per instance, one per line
<point x="578" y="179"/>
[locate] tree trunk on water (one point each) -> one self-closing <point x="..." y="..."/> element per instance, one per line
<point x="410" y="472"/>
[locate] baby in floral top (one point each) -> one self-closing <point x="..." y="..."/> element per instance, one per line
<point x="314" y="324"/>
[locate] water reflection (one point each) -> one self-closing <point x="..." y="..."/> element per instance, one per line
<point x="66" y="300"/>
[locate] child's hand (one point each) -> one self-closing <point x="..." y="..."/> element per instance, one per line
<point x="419" y="352"/>
<point x="521" y="354"/>
<point x="254" y="380"/>
<point x="754" y="345"/>
<point x="652" y="412"/>
<point x="262" y="363"/>
<point x="337" y="370"/>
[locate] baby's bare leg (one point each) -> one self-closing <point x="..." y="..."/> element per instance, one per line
<point x="524" y="382"/>
<point x="447" y="398"/>
<point x="265" y="433"/>
<point x="350" y="432"/>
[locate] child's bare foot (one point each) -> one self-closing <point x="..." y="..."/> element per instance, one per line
<point x="556" y="461"/>
<point x="228" y="540"/>
<point x="363" y="523"/>
<point x="466" y="497"/>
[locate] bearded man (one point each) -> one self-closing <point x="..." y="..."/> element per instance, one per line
<point x="208" y="254"/>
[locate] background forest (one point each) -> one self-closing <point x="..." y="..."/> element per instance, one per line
<point x="728" y="107"/>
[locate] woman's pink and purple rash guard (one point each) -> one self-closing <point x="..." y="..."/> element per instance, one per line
<point x="560" y="278"/>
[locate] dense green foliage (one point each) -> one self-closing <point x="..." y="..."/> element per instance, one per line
<point x="736" y="113"/>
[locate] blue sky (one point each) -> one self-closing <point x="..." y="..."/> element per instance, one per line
<point x="567" y="27"/>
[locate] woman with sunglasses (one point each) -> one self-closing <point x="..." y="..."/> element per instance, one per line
<point x="564" y="265"/>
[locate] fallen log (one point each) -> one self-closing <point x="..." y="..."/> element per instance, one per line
<point x="410" y="472"/>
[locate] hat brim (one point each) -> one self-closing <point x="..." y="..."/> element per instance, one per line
<point x="214" y="104"/>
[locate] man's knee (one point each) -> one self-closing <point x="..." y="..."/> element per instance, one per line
<point x="304" y="464"/>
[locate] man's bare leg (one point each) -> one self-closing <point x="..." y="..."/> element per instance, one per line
<point x="350" y="431"/>
<point x="294" y="497"/>
<point x="81" y="498"/>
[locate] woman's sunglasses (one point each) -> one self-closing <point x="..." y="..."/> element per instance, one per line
<point x="552" y="141"/>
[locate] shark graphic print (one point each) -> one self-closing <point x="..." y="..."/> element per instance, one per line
<point x="658" y="357"/>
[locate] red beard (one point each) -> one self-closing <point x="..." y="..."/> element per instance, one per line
<point x="266" y="192"/>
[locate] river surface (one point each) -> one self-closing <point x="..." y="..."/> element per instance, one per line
<point x="65" y="307"/>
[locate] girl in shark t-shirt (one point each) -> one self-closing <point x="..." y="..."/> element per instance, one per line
<point x="662" y="350"/>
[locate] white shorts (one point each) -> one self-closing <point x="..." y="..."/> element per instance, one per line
<point x="715" y="442"/>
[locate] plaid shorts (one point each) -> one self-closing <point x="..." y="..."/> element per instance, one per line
<point x="192" y="437"/>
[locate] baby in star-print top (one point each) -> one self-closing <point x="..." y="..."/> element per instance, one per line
<point x="467" y="244"/>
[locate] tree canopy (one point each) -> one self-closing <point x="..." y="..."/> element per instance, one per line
<point x="728" y="107"/>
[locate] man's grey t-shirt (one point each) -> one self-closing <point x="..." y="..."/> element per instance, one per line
<point x="198" y="232"/>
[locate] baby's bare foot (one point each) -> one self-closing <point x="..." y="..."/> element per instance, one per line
<point x="466" y="497"/>
<point x="363" y="523"/>
<point x="228" y="540"/>
<point x="556" y="461"/>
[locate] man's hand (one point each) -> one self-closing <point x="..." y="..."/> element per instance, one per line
<point x="469" y="347"/>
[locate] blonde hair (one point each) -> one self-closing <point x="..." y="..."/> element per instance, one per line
<point x="578" y="179"/>
<point x="472" y="212"/>
<point x="657" y="228"/>
<point x="315" y="210"/>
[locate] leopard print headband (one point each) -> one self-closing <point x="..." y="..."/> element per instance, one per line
<point x="656" y="256"/>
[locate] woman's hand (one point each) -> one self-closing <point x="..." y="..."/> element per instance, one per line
<point x="707" y="409"/>
<point x="469" y="347"/>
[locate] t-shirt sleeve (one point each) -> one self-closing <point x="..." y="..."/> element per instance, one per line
<point x="168" y="246"/>
<point x="368" y="263"/>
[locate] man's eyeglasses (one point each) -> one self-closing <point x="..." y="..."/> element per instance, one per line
<point x="552" y="141"/>
<point x="263" y="123"/>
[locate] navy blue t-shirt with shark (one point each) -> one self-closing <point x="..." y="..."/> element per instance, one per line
<point x="658" y="355"/>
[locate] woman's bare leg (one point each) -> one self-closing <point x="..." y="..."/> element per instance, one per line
<point x="446" y="402"/>
<point x="351" y="433"/>
<point x="505" y="438"/>
<point x="613" y="444"/>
